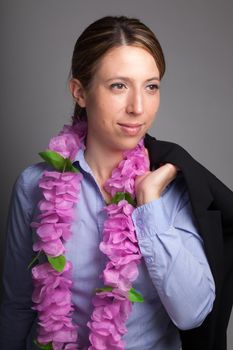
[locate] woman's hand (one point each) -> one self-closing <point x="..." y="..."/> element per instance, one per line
<point x="150" y="185"/>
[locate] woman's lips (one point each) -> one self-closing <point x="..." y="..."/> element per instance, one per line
<point x="130" y="129"/>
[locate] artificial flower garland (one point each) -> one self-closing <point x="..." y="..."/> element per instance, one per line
<point x="52" y="278"/>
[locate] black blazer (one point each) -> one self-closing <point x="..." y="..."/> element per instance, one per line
<point x="212" y="204"/>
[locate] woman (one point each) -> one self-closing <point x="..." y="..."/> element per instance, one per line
<point x="115" y="229"/>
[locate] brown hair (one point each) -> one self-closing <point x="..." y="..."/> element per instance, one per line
<point x="104" y="34"/>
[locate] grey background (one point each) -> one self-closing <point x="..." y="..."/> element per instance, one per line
<point x="37" y="39"/>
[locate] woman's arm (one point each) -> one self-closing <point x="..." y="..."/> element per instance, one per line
<point x="175" y="257"/>
<point x="16" y="316"/>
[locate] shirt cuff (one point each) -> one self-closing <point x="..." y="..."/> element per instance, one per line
<point x="151" y="219"/>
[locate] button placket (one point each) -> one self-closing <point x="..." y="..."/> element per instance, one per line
<point x="140" y="226"/>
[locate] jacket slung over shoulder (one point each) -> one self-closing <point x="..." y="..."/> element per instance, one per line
<point x="212" y="205"/>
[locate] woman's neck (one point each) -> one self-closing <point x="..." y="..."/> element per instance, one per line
<point x="102" y="161"/>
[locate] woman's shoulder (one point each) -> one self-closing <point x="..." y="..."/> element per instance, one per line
<point x="25" y="192"/>
<point x="176" y="196"/>
<point x="178" y="185"/>
<point x="31" y="174"/>
<point x="26" y="184"/>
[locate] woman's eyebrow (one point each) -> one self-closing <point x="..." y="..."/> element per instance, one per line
<point x="154" y="78"/>
<point x="129" y="79"/>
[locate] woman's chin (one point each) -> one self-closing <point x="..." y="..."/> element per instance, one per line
<point x="128" y="144"/>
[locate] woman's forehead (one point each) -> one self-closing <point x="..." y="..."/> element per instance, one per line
<point x="125" y="61"/>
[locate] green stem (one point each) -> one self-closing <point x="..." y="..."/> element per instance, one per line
<point x="34" y="259"/>
<point x="64" y="167"/>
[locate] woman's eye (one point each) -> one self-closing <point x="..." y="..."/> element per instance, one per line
<point x="153" y="87"/>
<point x="117" y="86"/>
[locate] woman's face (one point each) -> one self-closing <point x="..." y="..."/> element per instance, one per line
<point x="123" y="98"/>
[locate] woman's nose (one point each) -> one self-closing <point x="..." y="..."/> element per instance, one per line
<point x="135" y="103"/>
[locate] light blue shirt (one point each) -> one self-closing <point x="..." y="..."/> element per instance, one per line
<point x="174" y="275"/>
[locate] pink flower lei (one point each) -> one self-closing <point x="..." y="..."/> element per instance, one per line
<point x="52" y="278"/>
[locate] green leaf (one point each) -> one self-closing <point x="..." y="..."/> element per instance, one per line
<point x="130" y="199"/>
<point x="57" y="161"/>
<point x="119" y="196"/>
<point x="53" y="158"/>
<point x="69" y="166"/>
<point x="34" y="259"/>
<point x="58" y="262"/>
<point x="47" y="346"/>
<point x="104" y="289"/>
<point x="135" y="297"/>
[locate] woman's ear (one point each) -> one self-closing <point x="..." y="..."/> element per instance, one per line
<point x="77" y="92"/>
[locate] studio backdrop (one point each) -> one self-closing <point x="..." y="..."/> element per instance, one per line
<point x="37" y="39"/>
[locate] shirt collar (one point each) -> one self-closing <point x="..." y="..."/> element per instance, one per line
<point x="80" y="159"/>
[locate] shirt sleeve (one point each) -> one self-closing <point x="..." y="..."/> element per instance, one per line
<point x="174" y="254"/>
<point x="16" y="315"/>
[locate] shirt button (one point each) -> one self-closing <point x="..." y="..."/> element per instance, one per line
<point x="139" y="223"/>
<point x="149" y="260"/>
<point x="140" y="234"/>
